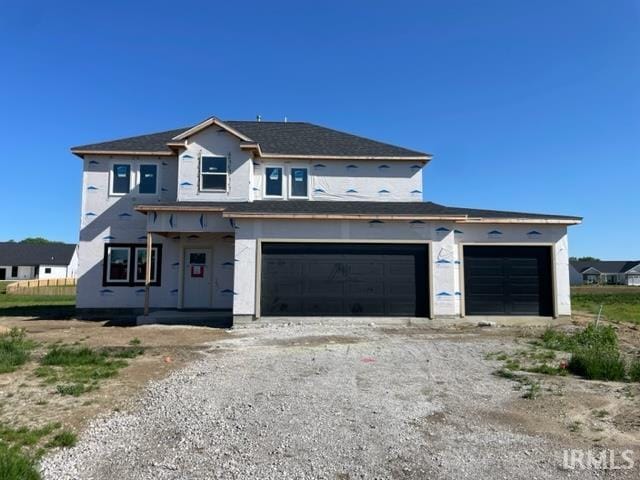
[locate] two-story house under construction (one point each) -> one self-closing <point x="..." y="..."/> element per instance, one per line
<point x="292" y="219"/>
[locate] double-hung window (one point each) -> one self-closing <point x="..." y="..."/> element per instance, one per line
<point x="148" y="179"/>
<point x="299" y="182"/>
<point x="273" y="181"/>
<point x="120" y="179"/>
<point x="126" y="264"/>
<point x="213" y="174"/>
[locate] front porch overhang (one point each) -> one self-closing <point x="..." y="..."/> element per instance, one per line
<point x="355" y="210"/>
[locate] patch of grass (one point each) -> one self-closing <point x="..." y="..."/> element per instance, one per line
<point x="73" y="389"/>
<point x="508" y="374"/>
<point x="575" y="426"/>
<point x="24" y="436"/>
<point x="541" y="355"/>
<point x="66" y="438"/>
<point x="601" y="337"/>
<point x="619" y="304"/>
<point x="512" y="365"/>
<point x="135" y="341"/>
<point x="634" y="371"/>
<point x="547" y="370"/>
<point x="77" y="369"/>
<point x="594" y="364"/>
<point x="72" y="356"/>
<point x="533" y="391"/>
<point x="125" y="352"/>
<point x="595" y="354"/>
<point x="15" y="350"/>
<point x="15" y="465"/>
<point x="600" y="413"/>
<point x="43" y="306"/>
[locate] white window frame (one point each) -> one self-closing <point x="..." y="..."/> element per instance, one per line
<point x="135" y="266"/>
<point x="132" y="178"/>
<point x="201" y="174"/>
<point x="139" y="178"/>
<point x="126" y="280"/>
<point x="283" y="180"/>
<point x="290" y="182"/>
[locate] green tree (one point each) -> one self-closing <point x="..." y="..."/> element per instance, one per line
<point x="37" y="240"/>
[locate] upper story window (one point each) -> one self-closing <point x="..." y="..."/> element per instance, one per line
<point x="273" y="181"/>
<point x="148" y="179"/>
<point x="120" y="179"/>
<point x="299" y="183"/>
<point x="213" y="174"/>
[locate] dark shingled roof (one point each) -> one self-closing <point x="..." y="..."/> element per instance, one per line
<point x="360" y="208"/>
<point x="300" y="138"/>
<point x="606" y="266"/>
<point x="285" y="138"/>
<point x="30" y="254"/>
<point x="152" y="142"/>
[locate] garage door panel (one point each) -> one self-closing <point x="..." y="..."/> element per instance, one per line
<point x="355" y="288"/>
<point x="321" y="306"/>
<point x="344" y="279"/>
<point x="508" y="280"/>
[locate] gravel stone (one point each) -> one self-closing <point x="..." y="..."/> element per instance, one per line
<point x="312" y="402"/>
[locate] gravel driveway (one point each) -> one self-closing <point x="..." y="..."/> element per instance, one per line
<point x="321" y="402"/>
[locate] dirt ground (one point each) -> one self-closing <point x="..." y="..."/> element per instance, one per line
<point x="25" y="401"/>
<point x="354" y="401"/>
<point x="570" y="412"/>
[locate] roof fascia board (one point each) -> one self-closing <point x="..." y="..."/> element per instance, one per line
<point x="81" y="152"/>
<point x="336" y="216"/>
<point x="207" y="123"/>
<point x="524" y="221"/>
<point x="276" y="156"/>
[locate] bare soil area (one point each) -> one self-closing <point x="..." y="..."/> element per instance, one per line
<point x="25" y="401"/>
<point x="313" y="401"/>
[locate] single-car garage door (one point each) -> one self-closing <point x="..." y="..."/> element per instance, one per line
<point x="507" y="280"/>
<point x="344" y="279"/>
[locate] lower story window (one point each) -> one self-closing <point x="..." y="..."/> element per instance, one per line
<point x="14" y="272"/>
<point x="141" y="264"/>
<point x="47" y="270"/>
<point x="126" y="264"/>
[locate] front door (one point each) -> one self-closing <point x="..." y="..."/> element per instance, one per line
<point x="197" y="286"/>
<point x="3" y="273"/>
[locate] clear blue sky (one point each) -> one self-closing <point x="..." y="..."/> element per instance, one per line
<point x="531" y="106"/>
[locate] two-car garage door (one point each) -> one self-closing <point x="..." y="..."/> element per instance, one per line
<point x="314" y="279"/>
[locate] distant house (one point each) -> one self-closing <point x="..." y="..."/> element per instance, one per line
<point x="608" y="272"/>
<point x="26" y="261"/>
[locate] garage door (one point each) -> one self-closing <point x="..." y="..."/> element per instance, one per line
<point x="344" y="279"/>
<point x="507" y="280"/>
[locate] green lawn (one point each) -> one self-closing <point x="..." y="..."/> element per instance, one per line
<point x="61" y="306"/>
<point x="619" y="304"/>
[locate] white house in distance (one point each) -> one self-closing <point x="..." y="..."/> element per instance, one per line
<point x="27" y="261"/>
<point x="605" y="272"/>
<point x="292" y="219"/>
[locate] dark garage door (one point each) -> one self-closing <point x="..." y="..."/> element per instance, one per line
<point x="507" y="280"/>
<point x="344" y="279"/>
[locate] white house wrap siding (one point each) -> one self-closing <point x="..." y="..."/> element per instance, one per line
<point x="182" y="215"/>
